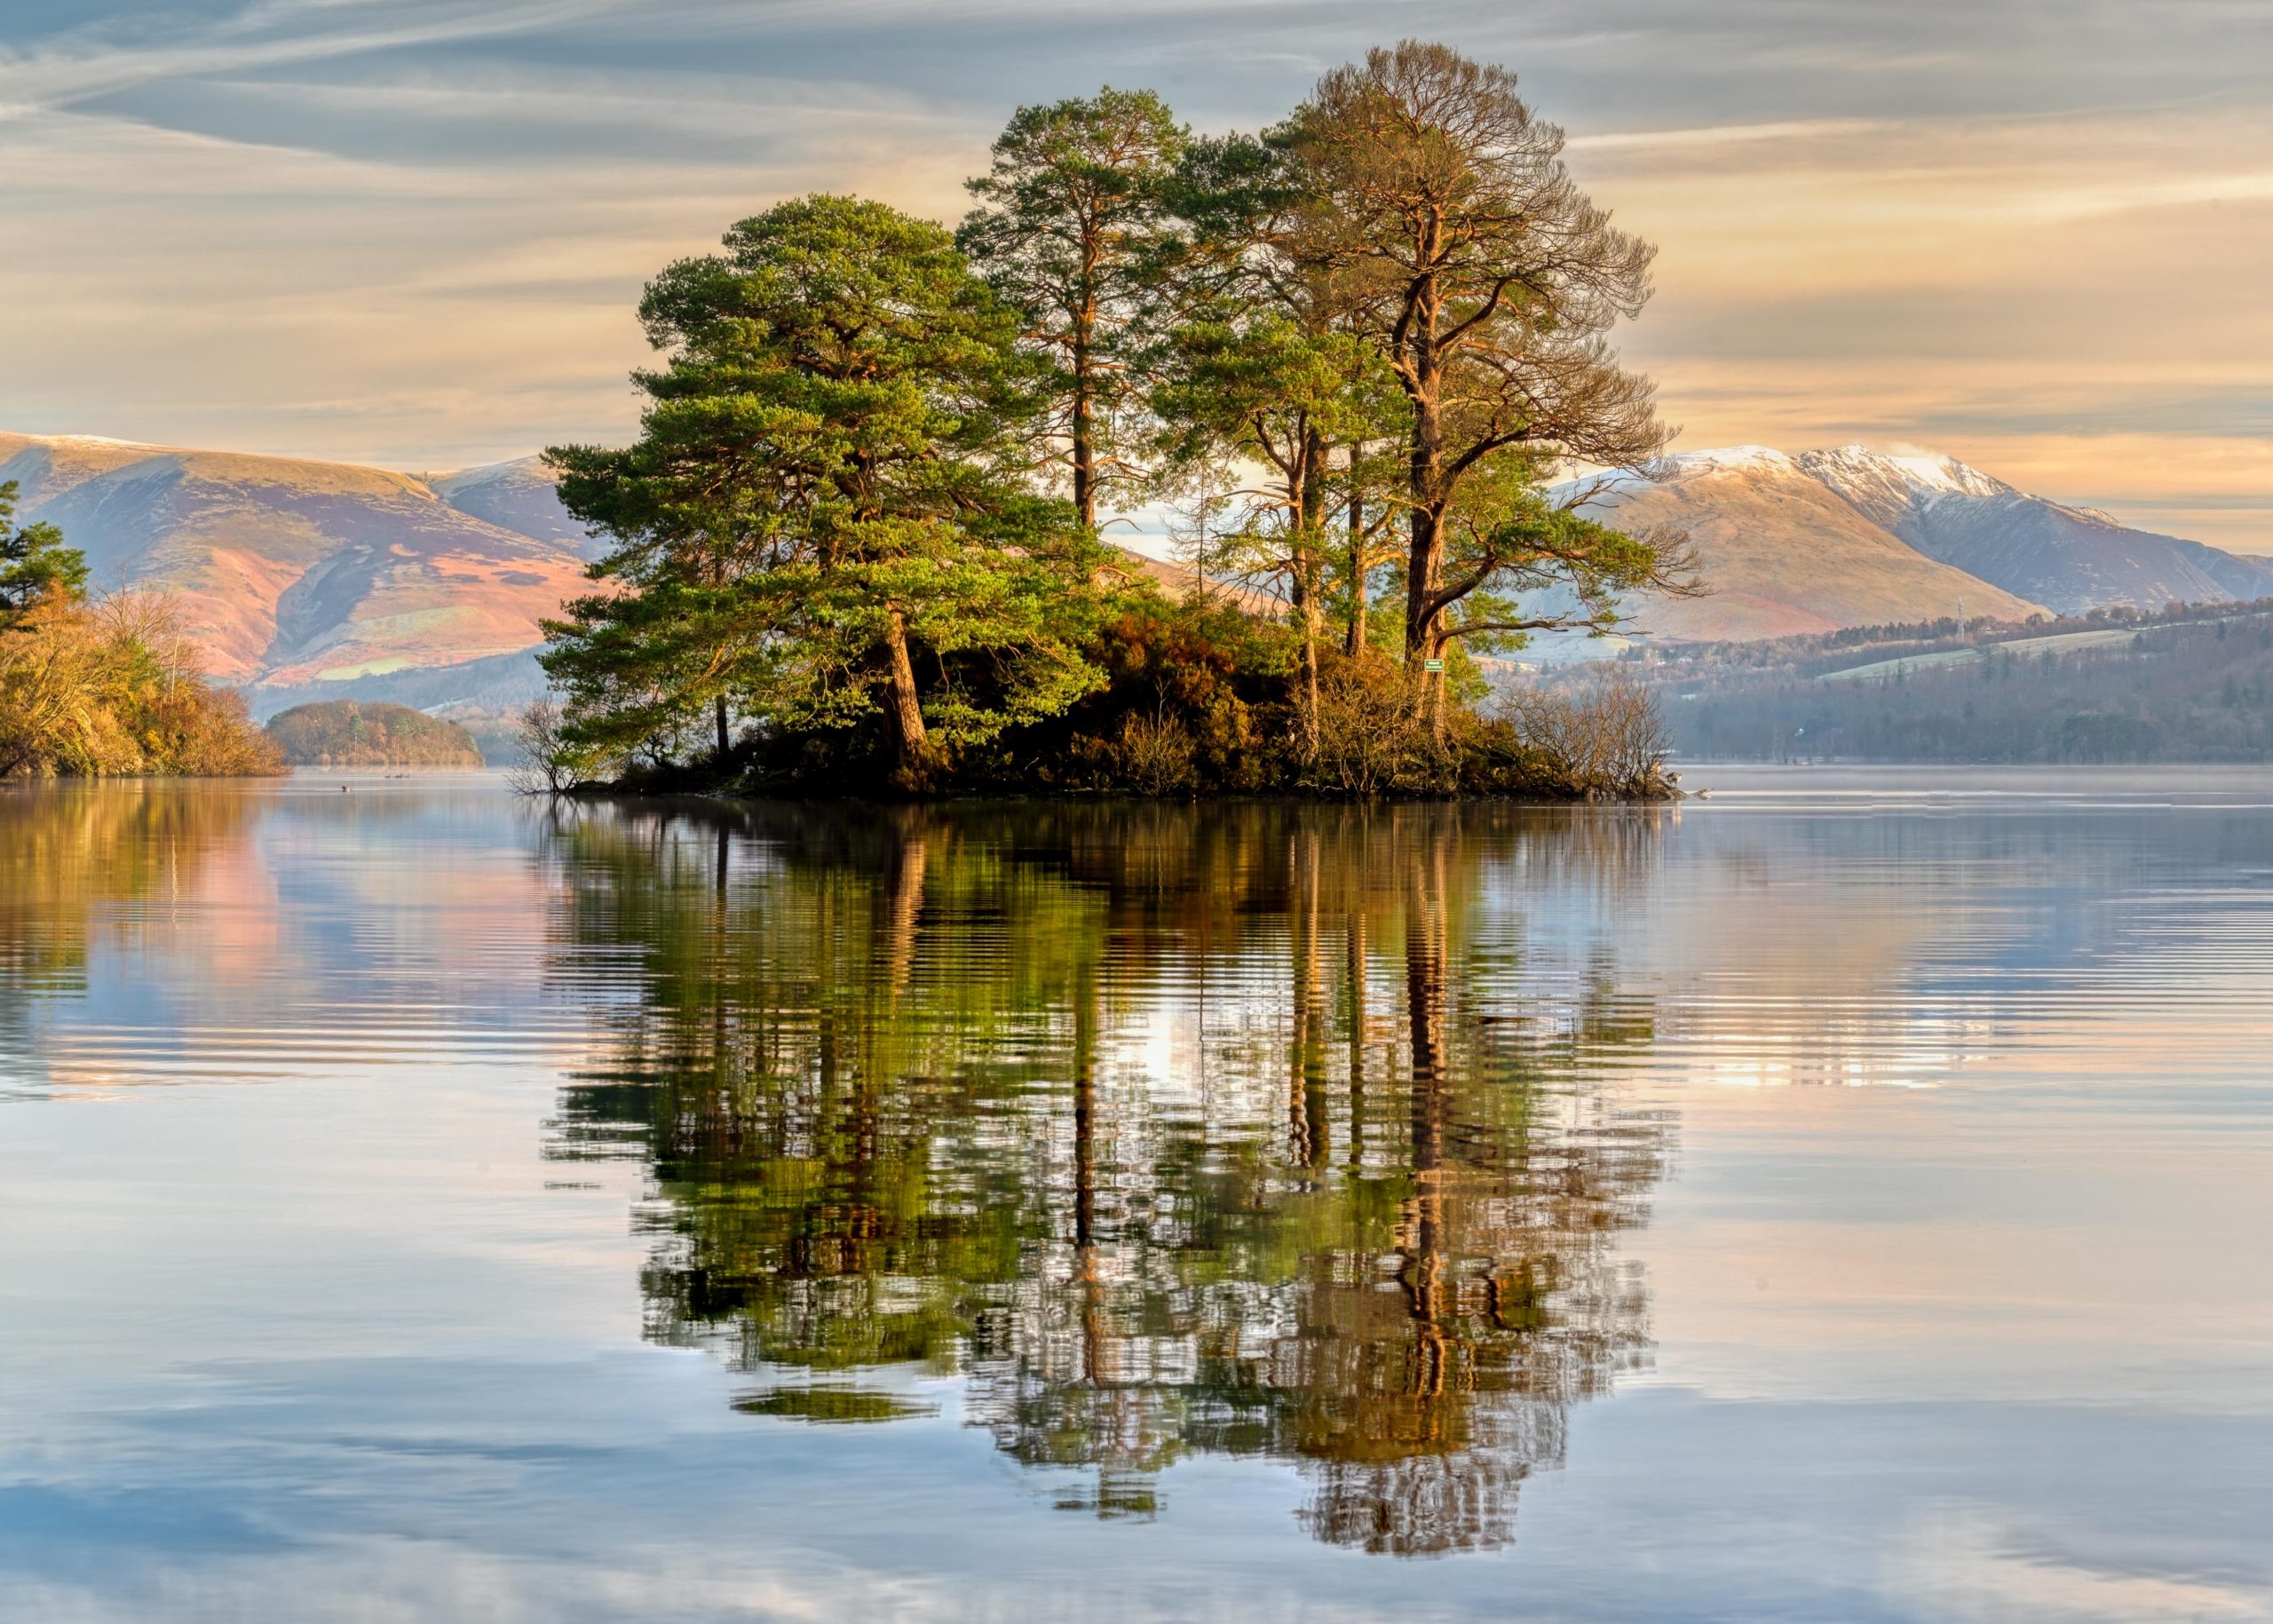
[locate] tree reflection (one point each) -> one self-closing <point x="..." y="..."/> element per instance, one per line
<point x="1243" y="1130"/>
<point x="79" y="863"/>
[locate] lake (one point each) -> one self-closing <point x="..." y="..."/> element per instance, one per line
<point x="1849" y="1197"/>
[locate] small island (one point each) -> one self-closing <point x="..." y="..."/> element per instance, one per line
<point x="367" y="733"/>
<point x="872" y="538"/>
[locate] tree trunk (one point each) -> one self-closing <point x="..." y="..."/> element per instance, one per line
<point x="906" y="708"/>
<point x="1354" y="642"/>
<point x="1082" y="433"/>
<point x="1425" y="562"/>
<point x="1310" y="572"/>
<point x="719" y="704"/>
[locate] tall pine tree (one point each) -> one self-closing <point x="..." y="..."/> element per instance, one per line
<point x="1065" y="229"/>
<point x="824" y="524"/>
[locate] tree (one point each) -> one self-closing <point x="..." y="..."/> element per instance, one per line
<point x="1068" y="220"/>
<point x="35" y="564"/>
<point x="826" y="519"/>
<point x="1264" y="370"/>
<point x="1488" y="280"/>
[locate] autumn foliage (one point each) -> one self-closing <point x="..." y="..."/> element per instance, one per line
<point x="113" y="688"/>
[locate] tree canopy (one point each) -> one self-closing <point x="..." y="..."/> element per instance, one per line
<point x="857" y="538"/>
<point x="104" y="687"/>
<point x="35" y="564"/>
<point x="829" y="515"/>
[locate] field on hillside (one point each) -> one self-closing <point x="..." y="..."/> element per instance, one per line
<point x="2193" y="683"/>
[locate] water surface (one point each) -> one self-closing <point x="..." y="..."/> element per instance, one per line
<point x="1845" y="1198"/>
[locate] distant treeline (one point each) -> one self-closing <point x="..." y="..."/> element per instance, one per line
<point x="857" y="544"/>
<point x="371" y="733"/>
<point x="2193" y="682"/>
<point x="95" y="687"/>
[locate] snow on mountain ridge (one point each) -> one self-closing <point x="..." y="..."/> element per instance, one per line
<point x="2038" y="551"/>
<point x="1926" y="473"/>
<point x="1728" y="458"/>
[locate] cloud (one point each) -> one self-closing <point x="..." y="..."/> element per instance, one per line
<point x="1964" y="1564"/>
<point x="406" y="230"/>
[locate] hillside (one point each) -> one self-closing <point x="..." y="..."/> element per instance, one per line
<point x="2190" y="684"/>
<point x="2069" y="558"/>
<point x="290" y="573"/>
<point x="308" y="582"/>
<point x="523" y="496"/>
<point x="358" y="734"/>
<point x="1782" y="553"/>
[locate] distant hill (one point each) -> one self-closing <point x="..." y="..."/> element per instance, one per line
<point x="523" y="496"/>
<point x="359" y="734"/>
<point x="2071" y="559"/>
<point x="1781" y="552"/>
<point x="307" y="581"/>
<point x="295" y="575"/>
<point x="2192" y="685"/>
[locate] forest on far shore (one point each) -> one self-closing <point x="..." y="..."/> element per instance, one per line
<point x="370" y="733"/>
<point x="864" y="541"/>
<point x="2191" y="683"/>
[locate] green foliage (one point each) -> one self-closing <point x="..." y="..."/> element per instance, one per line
<point x="1505" y="543"/>
<point x="1068" y="230"/>
<point x="35" y="564"/>
<point x="824" y="524"/>
<point x="838" y="567"/>
<point x="357" y="733"/>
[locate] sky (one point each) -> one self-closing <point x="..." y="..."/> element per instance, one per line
<point x="2035" y="234"/>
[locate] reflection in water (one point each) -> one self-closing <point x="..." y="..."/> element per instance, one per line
<point x="66" y="858"/>
<point x="78" y="865"/>
<point x="1233" y="1131"/>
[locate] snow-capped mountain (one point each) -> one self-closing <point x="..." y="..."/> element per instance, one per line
<point x="1781" y="552"/>
<point x="2071" y="559"/>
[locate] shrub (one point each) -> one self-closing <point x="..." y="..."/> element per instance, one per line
<point x="1154" y="755"/>
<point x="1607" y="740"/>
<point x="1371" y="738"/>
<point x="114" y="689"/>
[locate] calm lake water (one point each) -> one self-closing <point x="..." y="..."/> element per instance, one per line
<point x="1848" y="1198"/>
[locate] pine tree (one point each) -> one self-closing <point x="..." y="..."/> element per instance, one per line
<point x="825" y="523"/>
<point x="35" y="564"/>
<point x="1067" y="229"/>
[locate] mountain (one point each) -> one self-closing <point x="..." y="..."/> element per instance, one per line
<point x="312" y="582"/>
<point x="1782" y="552"/>
<point x="522" y="496"/>
<point x="2071" y="559"/>
<point x="302" y="578"/>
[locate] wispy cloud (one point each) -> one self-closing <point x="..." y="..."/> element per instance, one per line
<point x="408" y="230"/>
